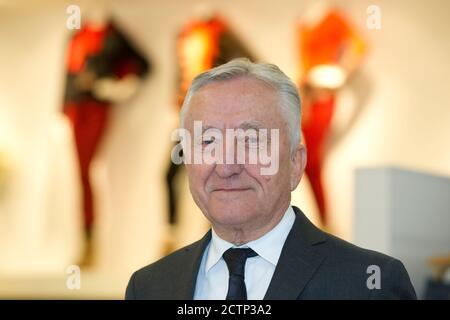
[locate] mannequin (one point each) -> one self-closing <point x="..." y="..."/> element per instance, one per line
<point x="103" y="68"/>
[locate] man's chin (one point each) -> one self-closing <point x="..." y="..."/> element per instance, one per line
<point x="232" y="217"/>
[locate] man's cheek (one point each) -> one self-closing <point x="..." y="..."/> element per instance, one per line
<point x="253" y="170"/>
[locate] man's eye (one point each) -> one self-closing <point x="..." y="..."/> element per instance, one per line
<point x="252" y="141"/>
<point x="205" y="142"/>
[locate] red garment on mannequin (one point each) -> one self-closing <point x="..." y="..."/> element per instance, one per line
<point x="89" y="120"/>
<point x="95" y="52"/>
<point x="316" y="125"/>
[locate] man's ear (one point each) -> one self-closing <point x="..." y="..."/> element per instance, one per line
<point x="298" y="164"/>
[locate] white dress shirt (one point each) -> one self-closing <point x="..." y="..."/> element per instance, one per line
<point x="212" y="278"/>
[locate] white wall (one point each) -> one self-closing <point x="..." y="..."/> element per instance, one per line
<point x="404" y="214"/>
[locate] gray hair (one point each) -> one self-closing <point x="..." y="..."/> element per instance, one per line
<point x="290" y="106"/>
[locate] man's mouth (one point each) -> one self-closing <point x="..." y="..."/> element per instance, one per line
<point x="231" y="189"/>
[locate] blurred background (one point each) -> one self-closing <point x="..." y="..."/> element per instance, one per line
<point x="89" y="97"/>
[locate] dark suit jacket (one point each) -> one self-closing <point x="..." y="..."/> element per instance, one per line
<point x="312" y="265"/>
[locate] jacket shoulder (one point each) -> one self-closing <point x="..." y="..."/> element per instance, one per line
<point x="162" y="275"/>
<point x="169" y="262"/>
<point x="340" y="249"/>
<point x="362" y="273"/>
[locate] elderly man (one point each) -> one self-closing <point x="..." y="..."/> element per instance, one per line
<point x="259" y="247"/>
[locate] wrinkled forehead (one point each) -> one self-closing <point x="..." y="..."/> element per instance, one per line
<point x="238" y="103"/>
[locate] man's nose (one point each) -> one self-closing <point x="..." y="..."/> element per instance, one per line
<point x="227" y="170"/>
<point x="230" y="165"/>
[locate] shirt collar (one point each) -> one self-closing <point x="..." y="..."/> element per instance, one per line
<point x="268" y="247"/>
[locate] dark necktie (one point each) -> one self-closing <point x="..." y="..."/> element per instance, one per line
<point x="235" y="260"/>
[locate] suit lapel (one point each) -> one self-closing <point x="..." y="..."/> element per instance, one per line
<point x="299" y="260"/>
<point x="188" y="274"/>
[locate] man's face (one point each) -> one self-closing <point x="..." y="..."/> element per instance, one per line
<point x="238" y="195"/>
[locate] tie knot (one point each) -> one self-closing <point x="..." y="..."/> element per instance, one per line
<point x="236" y="258"/>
